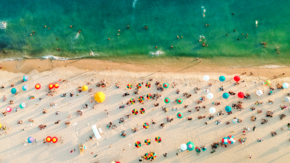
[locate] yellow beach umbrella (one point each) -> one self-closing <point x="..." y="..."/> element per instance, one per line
<point x="84" y="88"/>
<point x="0" y="125"/>
<point x="100" y="97"/>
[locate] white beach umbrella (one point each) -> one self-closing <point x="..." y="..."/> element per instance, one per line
<point x="259" y="92"/>
<point x="209" y="95"/>
<point x="183" y="147"/>
<point x="212" y="110"/>
<point x="285" y="85"/>
<point x="205" y="77"/>
<point x="287" y="99"/>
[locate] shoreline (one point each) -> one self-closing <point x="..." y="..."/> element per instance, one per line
<point x="165" y="65"/>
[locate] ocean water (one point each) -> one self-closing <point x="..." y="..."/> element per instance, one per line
<point x="99" y="20"/>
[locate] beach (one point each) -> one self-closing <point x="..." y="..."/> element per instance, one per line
<point x="112" y="146"/>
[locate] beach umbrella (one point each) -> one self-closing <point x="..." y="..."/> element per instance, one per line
<point x="183" y="147"/>
<point x="141" y="99"/>
<point x="25" y="78"/>
<point x="149" y="96"/>
<point x="179" y="115"/>
<point x="146" y="125"/>
<point x="158" y="139"/>
<point x="228" y="109"/>
<point x="226" y="95"/>
<point x="259" y="92"/>
<point x="147" y="141"/>
<point x="205" y="77"/>
<point x="30" y="139"/>
<point x="148" y="85"/>
<point x="100" y="97"/>
<point x="24" y="88"/>
<point x="209" y="95"/>
<point x="237" y="78"/>
<point x="137" y="144"/>
<point x="142" y="111"/>
<point x="56" y="85"/>
<point x="147" y="156"/>
<point x="241" y="95"/>
<point x="0" y="125"/>
<point x="267" y="82"/>
<point x="222" y="78"/>
<point x="190" y="146"/>
<point x="37" y="86"/>
<point x="51" y="86"/>
<point x="129" y="86"/>
<point x="212" y="110"/>
<point x="179" y="101"/>
<point x="138" y="86"/>
<point x="287" y="99"/>
<point x="13" y="90"/>
<point x="135" y="111"/>
<point x="8" y="109"/>
<point x="84" y="88"/>
<point x="166" y="100"/>
<point x="231" y="139"/>
<point x="54" y="139"/>
<point x="48" y="139"/>
<point x="285" y="85"/>
<point x="132" y="101"/>
<point x="165" y="85"/>
<point x="225" y="140"/>
<point x="154" y="155"/>
<point x="22" y="105"/>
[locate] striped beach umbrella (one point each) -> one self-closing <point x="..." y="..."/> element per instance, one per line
<point x="165" y="85"/>
<point x="56" y="85"/>
<point x="137" y="144"/>
<point x="132" y="101"/>
<point x="51" y="86"/>
<point x="24" y="88"/>
<point x="179" y="101"/>
<point x="226" y="95"/>
<point x="153" y="155"/>
<point x="37" y="86"/>
<point x="179" y="115"/>
<point x="142" y="111"/>
<point x="138" y="86"/>
<point x="148" y="85"/>
<point x="222" y="78"/>
<point x="129" y="86"/>
<point x="147" y="156"/>
<point x="13" y="91"/>
<point x="135" y="111"/>
<point x="147" y="141"/>
<point x="225" y="140"/>
<point x="228" y="109"/>
<point x="22" y="105"/>
<point x="141" y="99"/>
<point x="48" y="139"/>
<point x="149" y="96"/>
<point x="190" y="146"/>
<point x="146" y="125"/>
<point x="25" y="78"/>
<point x="167" y="100"/>
<point x="231" y="139"/>
<point x="158" y="139"/>
<point x="267" y="82"/>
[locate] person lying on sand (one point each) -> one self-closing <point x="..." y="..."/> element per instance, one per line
<point x="19" y="122"/>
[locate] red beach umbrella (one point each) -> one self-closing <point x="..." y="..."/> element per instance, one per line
<point x="237" y="78"/>
<point x="54" y="139"/>
<point x="37" y="86"/>
<point x="241" y="95"/>
<point x="56" y="85"/>
<point x="51" y="86"/>
<point x="48" y="139"/>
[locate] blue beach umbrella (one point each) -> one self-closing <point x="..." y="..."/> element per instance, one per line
<point x="228" y="109"/>
<point x="25" y="78"/>
<point x="226" y="95"/>
<point x="13" y="90"/>
<point x="222" y="78"/>
<point x="22" y="105"/>
<point x="24" y="88"/>
<point x="30" y="139"/>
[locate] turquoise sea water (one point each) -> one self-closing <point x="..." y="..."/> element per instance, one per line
<point x="99" y="20"/>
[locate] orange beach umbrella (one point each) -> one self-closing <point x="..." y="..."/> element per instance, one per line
<point x="48" y="139"/>
<point x="54" y="139"/>
<point x="56" y="85"/>
<point x="37" y="86"/>
<point x="51" y="86"/>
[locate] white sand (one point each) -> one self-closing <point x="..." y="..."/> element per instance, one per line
<point x="272" y="149"/>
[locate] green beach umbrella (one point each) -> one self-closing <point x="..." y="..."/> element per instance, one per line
<point x="179" y="101"/>
<point x="167" y="100"/>
<point x="179" y="115"/>
<point x="165" y="85"/>
<point x="190" y="146"/>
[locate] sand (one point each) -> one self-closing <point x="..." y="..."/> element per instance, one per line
<point x="15" y="149"/>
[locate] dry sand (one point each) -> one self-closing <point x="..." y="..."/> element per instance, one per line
<point x="14" y="149"/>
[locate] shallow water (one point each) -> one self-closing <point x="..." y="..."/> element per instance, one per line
<point x="100" y="20"/>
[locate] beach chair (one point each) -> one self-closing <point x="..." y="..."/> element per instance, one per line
<point x="96" y="132"/>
